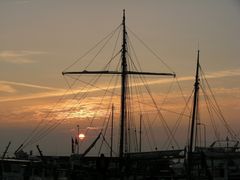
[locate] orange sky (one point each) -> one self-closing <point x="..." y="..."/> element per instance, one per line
<point x="41" y="38"/>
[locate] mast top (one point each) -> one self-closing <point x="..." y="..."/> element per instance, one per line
<point x="198" y="56"/>
<point x="123" y="16"/>
<point x="198" y="65"/>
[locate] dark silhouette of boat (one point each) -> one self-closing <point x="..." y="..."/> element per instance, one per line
<point x="219" y="161"/>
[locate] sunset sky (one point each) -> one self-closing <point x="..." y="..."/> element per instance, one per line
<point x="39" y="39"/>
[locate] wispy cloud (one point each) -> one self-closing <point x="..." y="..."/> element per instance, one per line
<point x="224" y="73"/>
<point x="55" y="92"/>
<point x="213" y="75"/>
<point x="7" y="88"/>
<point x="19" y="57"/>
<point x="94" y="128"/>
<point x="29" y="85"/>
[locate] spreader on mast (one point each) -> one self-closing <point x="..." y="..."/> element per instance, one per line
<point x="124" y="74"/>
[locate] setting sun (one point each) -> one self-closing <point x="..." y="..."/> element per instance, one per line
<point x="81" y="136"/>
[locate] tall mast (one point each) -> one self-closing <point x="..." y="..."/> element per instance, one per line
<point x="112" y="131"/>
<point x="123" y="85"/>
<point x="78" y="139"/>
<point x="195" y="104"/>
<point x="140" y="134"/>
<point x="194" y="115"/>
<point x="124" y="72"/>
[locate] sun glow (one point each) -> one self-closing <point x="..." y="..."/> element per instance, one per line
<point x="81" y="136"/>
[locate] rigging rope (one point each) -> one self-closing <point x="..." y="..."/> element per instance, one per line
<point x="40" y="134"/>
<point x="177" y="124"/>
<point x="85" y="54"/>
<point x="147" y="47"/>
<point x="229" y="129"/>
<point x="55" y="125"/>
